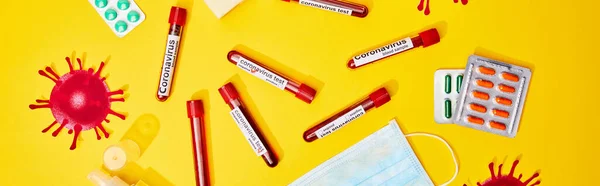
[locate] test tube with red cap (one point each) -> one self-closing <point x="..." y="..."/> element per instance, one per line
<point x="177" y="20"/>
<point x="342" y="7"/>
<point x="425" y="39"/>
<point x="302" y="91"/>
<point x="246" y="125"/>
<point x="375" y="100"/>
<point x="195" y="112"/>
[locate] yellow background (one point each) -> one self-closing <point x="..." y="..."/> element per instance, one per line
<point x="557" y="39"/>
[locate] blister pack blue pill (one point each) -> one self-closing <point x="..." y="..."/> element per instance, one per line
<point x="122" y="16"/>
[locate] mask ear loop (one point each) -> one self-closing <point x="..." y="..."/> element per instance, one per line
<point x="449" y="148"/>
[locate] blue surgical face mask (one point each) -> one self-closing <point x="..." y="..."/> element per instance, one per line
<point x="383" y="158"/>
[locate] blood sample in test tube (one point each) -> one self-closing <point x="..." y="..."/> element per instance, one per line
<point x="195" y="112"/>
<point x="375" y="100"/>
<point x="425" y="39"/>
<point x="247" y="125"/>
<point x="342" y="7"/>
<point x="302" y="91"/>
<point x="177" y="19"/>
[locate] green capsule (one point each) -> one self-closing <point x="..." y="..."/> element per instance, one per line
<point x="459" y="83"/>
<point x="110" y="14"/>
<point x="133" y="16"/>
<point x="448" y="87"/>
<point x="448" y="108"/>
<point x="121" y="26"/>
<point x="101" y="3"/>
<point x="123" y="4"/>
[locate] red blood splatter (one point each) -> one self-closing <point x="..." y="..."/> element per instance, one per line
<point x="80" y="101"/>
<point x="427" y="10"/>
<point x="508" y="180"/>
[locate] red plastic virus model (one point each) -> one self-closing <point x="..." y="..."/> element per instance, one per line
<point x="80" y="101"/>
<point x="427" y="11"/>
<point x="508" y="180"/>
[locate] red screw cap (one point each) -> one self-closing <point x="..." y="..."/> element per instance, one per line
<point x="228" y="92"/>
<point x="380" y="97"/>
<point x="430" y="37"/>
<point x="305" y="93"/>
<point x="195" y="109"/>
<point x="177" y="16"/>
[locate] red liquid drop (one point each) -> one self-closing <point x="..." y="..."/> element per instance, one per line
<point x="426" y="5"/>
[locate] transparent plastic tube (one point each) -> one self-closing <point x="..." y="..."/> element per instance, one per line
<point x="425" y="39"/>
<point x="302" y="91"/>
<point x="177" y="20"/>
<point x="343" y="7"/>
<point x="247" y="125"/>
<point x="196" y="114"/>
<point x="337" y="121"/>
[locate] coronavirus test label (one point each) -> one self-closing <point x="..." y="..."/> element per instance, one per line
<point x="248" y="131"/>
<point x="382" y="52"/>
<point x="261" y="72"/>
<point x="166" y="76"/>
<point x="324" y="6"/>
<point x="340" y="122"/>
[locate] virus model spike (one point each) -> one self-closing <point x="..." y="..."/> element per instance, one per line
<point x="79" y="62"/>
<point x="97" y="135"/>
<point x="77" y="131"/>
<point x="32" y="106"/>
<point x="70" y="64"/>
<point x="117" y="99"/>
<point x="491" y="167"/>
<point x="43" y="73"/>
<point x="103" y="130"/>
<point x="500" y="170"/>
<point x="531" y="178"/>
<point x="512" y="169"/>
<point x="62" y="125"/>
<point x="118" y="92"/>
<point x="79" y="101"/>
<point x="112" y="112"/>
<point x="100" y="69"/>
<point x="49" y="70"/>
<point x="48" y="128"/>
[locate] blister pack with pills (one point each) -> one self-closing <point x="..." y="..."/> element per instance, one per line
<point x="122" y="16"/>
<point x="447" y="86"/>
<point x="492" y="96"/>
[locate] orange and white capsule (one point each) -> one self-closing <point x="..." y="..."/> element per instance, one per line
<point x="506" y="88"/>
<point x="503" y="101"/>
<point x="481" y="95"/>
<point x="487" y="71"/>
<point x="485" y="83"/>
<point x="510" y="77"/>
<point x="475" y="120"/>
<point x="497" y="125"/>
<point x="478" y="108"/>
<point x="500" y="113"/>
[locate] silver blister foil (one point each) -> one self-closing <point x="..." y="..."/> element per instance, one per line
<point x="466" y="98"/>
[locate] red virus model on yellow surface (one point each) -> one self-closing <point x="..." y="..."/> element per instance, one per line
<point x="427" y="11"/>
<point x="80" y="101"/>
<point x="508" y="180"/>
